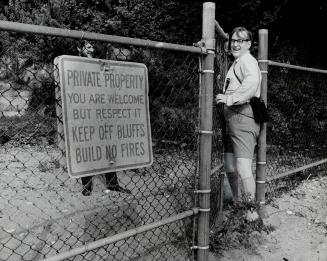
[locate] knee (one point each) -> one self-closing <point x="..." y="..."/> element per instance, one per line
<point x="244" y="167"/>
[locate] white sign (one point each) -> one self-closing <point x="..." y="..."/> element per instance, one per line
<point x="105" y="114"/>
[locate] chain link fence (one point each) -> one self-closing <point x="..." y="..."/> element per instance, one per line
<point x="43" y="211"/>
<point x="297" y="134"/>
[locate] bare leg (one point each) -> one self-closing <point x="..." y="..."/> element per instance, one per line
<point x="244" y="169"/>
<point x="230" y="168"/>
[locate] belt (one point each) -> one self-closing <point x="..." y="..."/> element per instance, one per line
<point x="240" y="105"/>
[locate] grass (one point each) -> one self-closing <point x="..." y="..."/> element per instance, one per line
<point x="236" y="231"/>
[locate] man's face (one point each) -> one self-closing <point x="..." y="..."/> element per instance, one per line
<point x="240" y="44"/>
<point x="88" y="49"/>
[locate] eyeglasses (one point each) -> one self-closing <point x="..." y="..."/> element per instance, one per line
<point x="239" y="41"/>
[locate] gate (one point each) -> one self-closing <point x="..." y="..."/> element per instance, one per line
<point x="163" y="211"/>
<point x="292" y="145"/>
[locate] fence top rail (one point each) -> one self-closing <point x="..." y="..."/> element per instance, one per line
<point x="220" y="31"/>
<point x="296" y="67"/>
<point x="54" y="31"/>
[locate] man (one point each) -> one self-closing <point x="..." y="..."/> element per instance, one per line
<point x="241" y="84"/>
<point x="87" y="49"/>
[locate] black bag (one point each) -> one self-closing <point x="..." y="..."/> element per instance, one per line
<point x="259" y="109"/>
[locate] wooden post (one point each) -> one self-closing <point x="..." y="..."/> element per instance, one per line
<point x="205" y="103"/>
<point x="262" y="146"/>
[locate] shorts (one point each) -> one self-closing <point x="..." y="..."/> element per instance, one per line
<point x="242" y="130"/>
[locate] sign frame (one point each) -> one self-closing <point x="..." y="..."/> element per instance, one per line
<point x="105" y="67"/>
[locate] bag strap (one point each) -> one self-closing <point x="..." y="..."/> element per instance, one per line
<point x="229" y="106"/>
<point x="236" y="75"/>
<point x="229" y="79"/>
<point x="239" y="78"/>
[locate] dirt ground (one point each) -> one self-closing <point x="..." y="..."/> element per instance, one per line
<point x="299" y="218"/>
<point x="42" y="211"/>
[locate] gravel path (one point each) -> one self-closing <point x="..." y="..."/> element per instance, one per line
<point x="300" y="221"/>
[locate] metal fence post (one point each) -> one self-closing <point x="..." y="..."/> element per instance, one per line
<point x="262" y="146"/>
<point x="205" y="101"/>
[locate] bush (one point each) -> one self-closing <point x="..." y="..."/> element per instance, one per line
<point x="29" y="129"/>
<point x="236" y="231"/>
<point x="175" y="124"/>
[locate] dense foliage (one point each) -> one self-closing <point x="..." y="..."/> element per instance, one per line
<point x="291" y="24"/>
<point x="290" y="40"/>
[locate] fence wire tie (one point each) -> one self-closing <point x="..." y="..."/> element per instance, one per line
<point x="206" y="132"/>
<point x="260" y="181"/>
<point x="204" y="209"/>
<point x="203" y="191"/>
<point x="207" y="71"/>
<point x="200" y="247"/>
<point x="261" y="162"/>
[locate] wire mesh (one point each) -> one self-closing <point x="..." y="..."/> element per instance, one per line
<point x="296" y="135"/>
<point x="43" y="211"/>
<point x="218" y="181"/>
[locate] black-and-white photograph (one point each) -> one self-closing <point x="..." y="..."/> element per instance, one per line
<point x="163" y="130"/>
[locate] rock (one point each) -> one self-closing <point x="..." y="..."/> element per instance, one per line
<point x="251" y="216"/>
